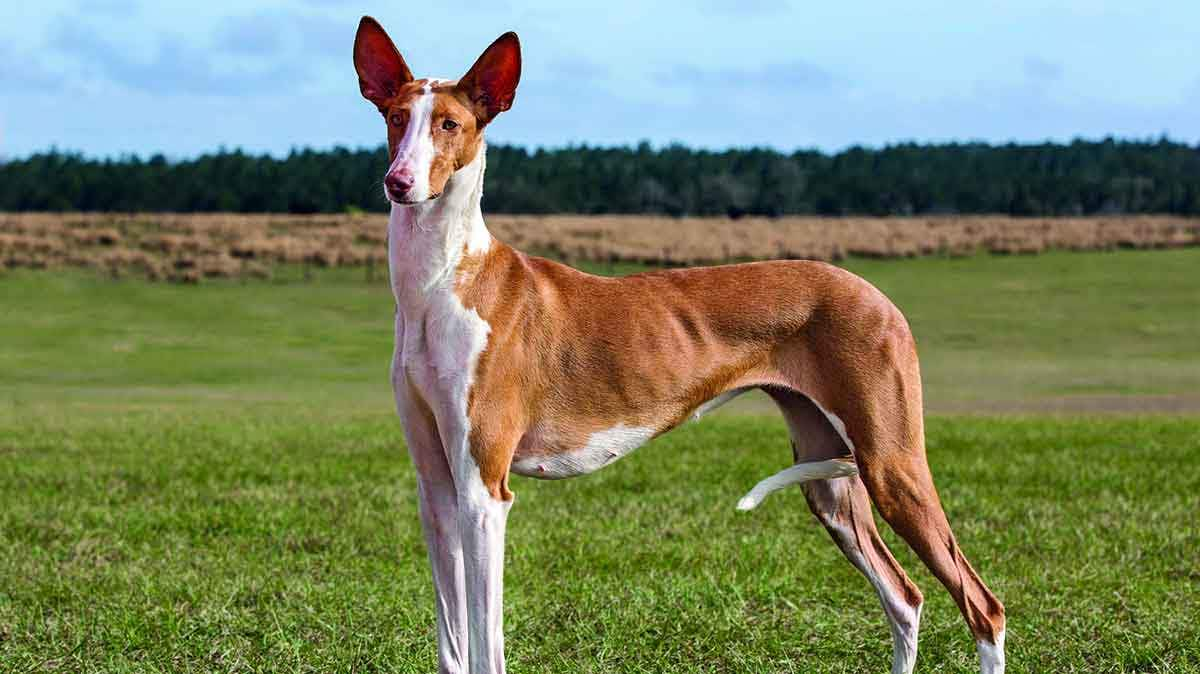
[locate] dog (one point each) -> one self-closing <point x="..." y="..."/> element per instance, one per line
<point x="506" y="362"/>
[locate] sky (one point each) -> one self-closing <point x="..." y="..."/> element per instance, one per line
<point x="112" y="77"/>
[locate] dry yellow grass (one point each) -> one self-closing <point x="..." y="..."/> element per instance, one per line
<point x="188" y="247"/>
<point x="707" y="240"/>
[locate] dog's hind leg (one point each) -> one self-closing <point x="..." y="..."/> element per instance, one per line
<point x="843" y="507"/>
<point x="898" y="480"/>
<point x="884" y="420"/>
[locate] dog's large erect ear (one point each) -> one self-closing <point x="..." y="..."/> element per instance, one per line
<point x="381" y="69"/>
<point x="491" y="84"/>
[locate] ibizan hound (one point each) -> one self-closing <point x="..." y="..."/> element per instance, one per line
<point x="508" y="362"/>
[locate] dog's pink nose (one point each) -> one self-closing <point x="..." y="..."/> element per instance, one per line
<point x="399" y="182"/>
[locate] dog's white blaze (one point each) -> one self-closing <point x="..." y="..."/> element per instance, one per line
<point x="602" y="448"/>
<point x="991" y="656"/>
<point x="415" y="150"/>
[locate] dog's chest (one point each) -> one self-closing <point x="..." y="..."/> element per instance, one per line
<point x="437" y="348"/>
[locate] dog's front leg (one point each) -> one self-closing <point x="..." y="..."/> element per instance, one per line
<point x="483" y="506"/>
<point x="437" y="501"/>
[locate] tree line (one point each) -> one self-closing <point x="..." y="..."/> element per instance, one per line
<point x="1078" y="178"/>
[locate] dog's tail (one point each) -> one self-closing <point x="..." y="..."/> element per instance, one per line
<point x="795" y="474"/>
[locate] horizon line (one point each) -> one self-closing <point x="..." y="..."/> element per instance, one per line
<point x="657" y="147"/>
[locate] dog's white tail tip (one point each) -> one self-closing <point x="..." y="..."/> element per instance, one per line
<point x="795" y="474"/>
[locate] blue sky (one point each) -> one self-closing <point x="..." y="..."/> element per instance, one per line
<point x="107" y="77"/>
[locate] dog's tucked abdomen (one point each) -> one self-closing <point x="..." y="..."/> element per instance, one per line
<point x="549" y="460"/>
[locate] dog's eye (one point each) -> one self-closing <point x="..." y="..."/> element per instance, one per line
<point x="396" y="120"/>
<point x="449" y="125"/>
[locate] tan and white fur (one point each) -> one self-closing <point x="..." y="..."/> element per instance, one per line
<point x="506" y="362"/>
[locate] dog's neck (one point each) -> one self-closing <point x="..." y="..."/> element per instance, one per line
<point x="426" y="241"/>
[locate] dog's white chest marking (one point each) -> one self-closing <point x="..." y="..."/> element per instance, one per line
<point x="438" y="339"/>
<point x="602" y="448"/>
<point x="438" y="351"/>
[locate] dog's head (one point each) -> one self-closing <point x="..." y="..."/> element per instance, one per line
<point x="434" y="127"/>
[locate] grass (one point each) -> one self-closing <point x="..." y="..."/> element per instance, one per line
<point x="1002" y="331"/>
<point x="251" y="544"/>
<point x="1079" y="330"/>
<point x="211" y="478"/>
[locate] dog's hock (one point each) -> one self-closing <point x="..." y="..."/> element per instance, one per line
<point x="795" y="474"/>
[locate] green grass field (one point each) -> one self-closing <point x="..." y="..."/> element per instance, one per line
<point x="1059" y="331"/>
<point x="211" y="478"/>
